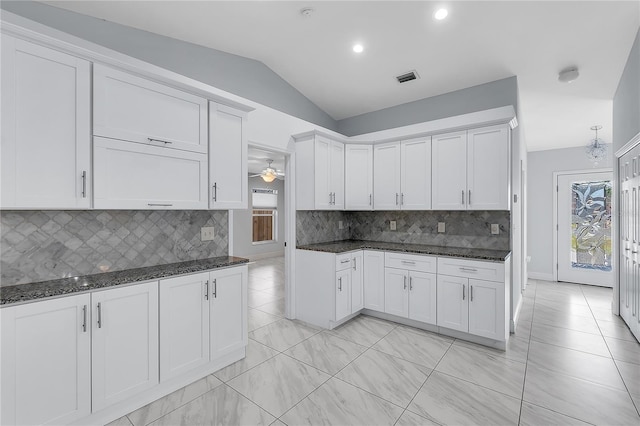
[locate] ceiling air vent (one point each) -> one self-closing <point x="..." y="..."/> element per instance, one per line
<point x="408" y="76"/>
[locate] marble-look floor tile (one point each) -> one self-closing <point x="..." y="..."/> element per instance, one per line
<point x="414" y="345"/>
<point x="532" y="415"/>
<point x="388" y="377"/>
<point x="339" y="403"/>
<point x="616" y="330"/>
<point x="283" y="334"/>
<point x="624" y="350"/>
<point x="278" y="291"/>
<point x="259" y="283"/>
<point x="631" y="375"/>
<point x="274" y="308"/>
<point x="256" y="298"/>
<point x="412" y="419"/>
<point x="279" y="383"/>
<point x="326" y="352"/>
<point x="553" y="306"/>
<point x="572" y="322"/>
<point x="523" y="329"/>
<point x="122" y="421"/>
<point x="583" y="365"/>
<point x="364" y="330"/>
<point x="164" y="405"/>
<point x="571" y="339"/>
<point x="221" y="406"/>
<point x="517" y="348"/>
<point x="256" y="354"/>
<point x="484" y="369"/>
<point x="277" y="423"/>
<point x="259" y="319"/>
<point x="583" y="400"/>
<point x="449" y="401"/>
<point x="604" y="314"/>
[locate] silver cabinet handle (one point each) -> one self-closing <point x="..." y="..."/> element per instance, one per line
<point x="370" y="199"/>
<point x="407" y="262"/>
<point x="463" y="196"/>
<point x="471" y="293"/>
<point x="84" y="318"/>
<point x="215" y="191"/>
<point x="468" y="269"/>
<point x="84" y="184"/>
<point x="99" y="315"/>
<point x="469" y="197"/>
<point x="355" y="263"/>
<point x="410" y="283"/>
<point x="215" y="288"/>
<point x="206" y="290"/>
<point x="463" y="295"/>
<point x="159" y="205"/>
<point x="345" y="261"/>
<point x="402" y="198"/>
<point x="405" y="282"/>
<point x="634" y="251"/>
<point x="340" y="283"/>
<point x="159" y="140"/>
<point x="334" y="198"/>
<point x="397" y="198"/>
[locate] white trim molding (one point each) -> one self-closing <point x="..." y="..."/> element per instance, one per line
<point x="628" y="146"/>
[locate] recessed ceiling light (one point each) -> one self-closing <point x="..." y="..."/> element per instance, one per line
<point x="441" y="14"/>
<point x="568" y="75"/>
<point x="358" y="48"/>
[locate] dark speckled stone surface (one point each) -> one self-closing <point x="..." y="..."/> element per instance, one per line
<point x="40" y="290"/>
<point x="350" y="245"/>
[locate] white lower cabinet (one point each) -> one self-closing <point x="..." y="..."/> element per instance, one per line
<point x="343" y="294"/>
<point x="373" y="280"/>
<point x="410" y="292"/>
<point x="357" y="281"/>
<point x="46" y="362"/>
<point x="124" y="343"/>
<point x="453" y="305"/>
<point x="396" y="298"/>
<point x="228" y="316"/>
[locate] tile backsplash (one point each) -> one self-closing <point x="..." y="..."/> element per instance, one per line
<point x="45" y="245"/>
<point x="463" y="228"/>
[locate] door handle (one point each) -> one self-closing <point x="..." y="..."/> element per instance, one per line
<point x="469" y="197"/>
<point x="463" y="295"/>
<point x="397" y="198"/>
<point x="99" y="315"/>
<point x="355" y="263"/>
<point x="206" y="290"/>
<point x="410" y="283"/>
<point x="402" y="198"/>
<point x="370" y="199"/>
<point x="340" y="283"/>
<point x="215" y="191"/>
<point x="84" y="318"/>
<point x="463" y="196"/>
<point x="215" y="288"/>
<point x="405" y="282"/>
<point x="159" y="140"/>
<point x="84" y="184"/>
<point x="471" y="293"/>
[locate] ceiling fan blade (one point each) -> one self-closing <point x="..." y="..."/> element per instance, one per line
<point x="258" y="175"/>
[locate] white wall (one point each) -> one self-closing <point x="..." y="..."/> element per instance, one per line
<point x="540" y="189"/>
<point x="243" y="225"/>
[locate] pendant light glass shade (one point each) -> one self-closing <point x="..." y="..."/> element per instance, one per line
<point x="597" y="150"/>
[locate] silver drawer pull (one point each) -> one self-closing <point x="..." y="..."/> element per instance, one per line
<point x="159" y="205"/>
<point x="159" y="140"/>
<point x="345" y="261"/>
<point x="407" y="262"/>
<point x="468" y="269"/>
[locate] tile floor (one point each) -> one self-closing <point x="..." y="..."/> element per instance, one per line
<point x="570" y="362"/>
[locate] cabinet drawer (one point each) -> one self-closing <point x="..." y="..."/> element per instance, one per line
<point x="343" y="261"/>
<point x="412" y="262"/>
<point x="490" y="271"/>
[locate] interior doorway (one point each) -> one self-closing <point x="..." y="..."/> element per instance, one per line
<point x="583" y="249"/>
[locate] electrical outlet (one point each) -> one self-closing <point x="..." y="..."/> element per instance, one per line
<point x="340" y="225"/>
<point x="495" y="229"/>
<point x="392" y="225"/>
<point x="207" y="233"/>
<point x="441" y="227"/>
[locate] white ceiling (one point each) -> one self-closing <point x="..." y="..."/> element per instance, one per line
<point x="480" y="41"/>
<point x="258" y="160"/>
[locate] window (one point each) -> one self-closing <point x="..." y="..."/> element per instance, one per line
<point x="264" y="216"/>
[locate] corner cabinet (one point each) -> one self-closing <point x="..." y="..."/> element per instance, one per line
<point x="471" y="169"/>
<point x="228" y="175"/>
<point x="46" y="128"/>
<point x="319" y="173"/>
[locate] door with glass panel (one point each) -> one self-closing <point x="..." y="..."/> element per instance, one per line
<point x="584" y="251"/>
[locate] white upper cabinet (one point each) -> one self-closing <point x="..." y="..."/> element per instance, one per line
<point x="358" y="177"/>
<point x="386" y="177"/>
<point x="402" y="175"/>
<point x="46" y="128"/>
<point x="136" y="176"/>
<point x="471" y="170"/>
<point x="227" y="158"/>
<point x="135" y="109"/>
<point x="488" y="168"/>
<point x="319" y="174"/>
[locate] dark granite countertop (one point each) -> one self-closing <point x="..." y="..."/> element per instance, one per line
<point x="27" y="292"/>
<point x="350" y="245"/>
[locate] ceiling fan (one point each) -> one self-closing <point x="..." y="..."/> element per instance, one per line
<point x="269" y="174"/>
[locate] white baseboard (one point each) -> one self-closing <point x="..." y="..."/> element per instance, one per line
<point x="540" y="276"/>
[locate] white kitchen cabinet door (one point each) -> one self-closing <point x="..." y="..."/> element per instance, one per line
<point x="46" y="362"/>
<point x="358" y="177"/>
<point x="415" y="182"/>
<point x="453" y="302"/>
<point x="322" y="161"/>
<point x="374" y="280"/>
<point x="422" y="297"/>
<point x="46" y="128"/>
<point x="488" y="168"/>
<point x="343" y="294"/>
<point x="486" y="309"/>
<point x="228" y="310"/>
<point x="136" y="109"/>
<point x="136" y="176"/>
<point x="449" y="171"/>
<point x="227" y="158"/>
<point x="184" y="324"/>
<point x="396" y="296"/>
<point x="336" y="174"/>
<point x="124" y="343"/>
<point x="357" y="284"/>
<point x="386" y="177"/>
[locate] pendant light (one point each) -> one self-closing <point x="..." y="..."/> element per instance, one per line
<point x="597" y="150"/>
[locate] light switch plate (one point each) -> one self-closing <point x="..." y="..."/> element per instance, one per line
<point x="392" y="225"/>
<point x="340" y="225"/>
<point x="441" y="227"/>
<point x="207" y="233"/>
<point x="495" y="229"/>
